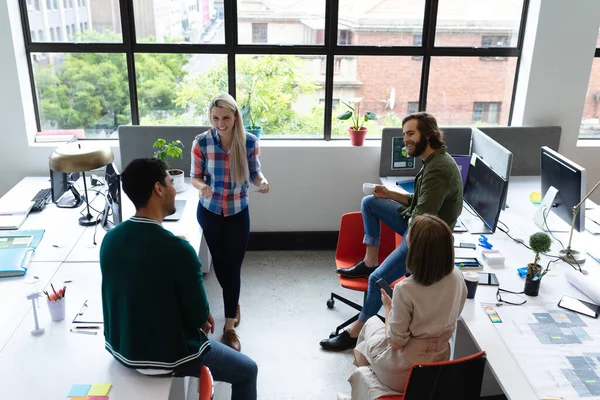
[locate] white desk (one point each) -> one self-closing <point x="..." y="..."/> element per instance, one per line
<point x="48" y="365"/>
<point x="519" y="218"/>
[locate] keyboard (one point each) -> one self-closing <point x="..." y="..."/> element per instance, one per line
<point x="41" y="199"/>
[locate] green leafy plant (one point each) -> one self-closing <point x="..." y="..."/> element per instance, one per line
<point x="354" y="114"/>
<point x="540" y="243"/>
<point x="166" y="151"/>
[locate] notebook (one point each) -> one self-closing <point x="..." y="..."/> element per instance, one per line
<point x="14" y="261"/>
<point x="13" y="217"/>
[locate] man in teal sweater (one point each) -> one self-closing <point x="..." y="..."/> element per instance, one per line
<point x="156" y="314"/>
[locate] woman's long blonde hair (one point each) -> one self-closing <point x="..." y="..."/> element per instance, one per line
<point x="237" y="147"/>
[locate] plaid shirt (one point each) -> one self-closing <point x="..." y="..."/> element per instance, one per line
<point x="211" y="163"/>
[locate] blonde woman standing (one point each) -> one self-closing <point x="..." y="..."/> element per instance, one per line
<point x="225" y="159"/>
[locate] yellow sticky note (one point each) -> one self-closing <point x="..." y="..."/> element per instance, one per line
<point x="473" y="158"/>
<point x="100" y="389"/>
<point x="78" y="398"/>
<point x="535" y="197"/>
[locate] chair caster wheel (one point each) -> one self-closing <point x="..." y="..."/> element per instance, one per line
<point x="330" y="303"/>
<point x="332" y="335"/>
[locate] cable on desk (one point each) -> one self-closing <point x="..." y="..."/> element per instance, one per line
<point x="515" y="240"/>
<point x="506" y="226"/>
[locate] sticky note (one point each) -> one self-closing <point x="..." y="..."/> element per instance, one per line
<point x="535" y="197"/>
<point x="493" y="315"/>
<point x="79" y="390"/>
<point x="473" y="158"/>
<point x="100" y="389"/>
<point x="79" y="398"/>
<point x="97" y="398"/>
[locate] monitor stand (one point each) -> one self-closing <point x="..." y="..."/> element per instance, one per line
<point x="545" y="219"/>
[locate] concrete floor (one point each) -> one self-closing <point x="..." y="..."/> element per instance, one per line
<point x="284" y="316"/>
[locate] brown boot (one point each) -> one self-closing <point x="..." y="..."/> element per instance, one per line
<point x="231" y="339"/>
<point x="236" y="321"/>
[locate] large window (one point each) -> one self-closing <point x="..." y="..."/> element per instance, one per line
<point x="292" y="67"/>
<point x="590" y="120"/>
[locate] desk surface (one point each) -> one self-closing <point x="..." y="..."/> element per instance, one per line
<point x="519" y="219"/>
<point x="51" y="363"/>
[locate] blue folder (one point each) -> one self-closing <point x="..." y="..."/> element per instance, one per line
<point x="37" y="235"/>
<point x="14" y="261"/>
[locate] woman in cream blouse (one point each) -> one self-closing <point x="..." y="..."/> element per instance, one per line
<point x="420" y="317"/>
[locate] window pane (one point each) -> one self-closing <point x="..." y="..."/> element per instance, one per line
<point x="198" y="21"/>
<point x="82" y="91"/>
<point x="385" y="23"/>
<point x="388" y="84"/>
<point x="281" y="94"/>
<point x="281" y="22"/>
<point x="475" y="23"/>
<point x="590" y="121"/>
<point x="469" y="91"/>
<point x="102" y="16"/>
<point x="175" y="89"/>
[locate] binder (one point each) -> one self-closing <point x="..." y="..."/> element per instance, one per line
<point x="14" y="261"/>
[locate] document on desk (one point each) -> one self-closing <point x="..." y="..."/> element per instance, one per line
<point x="13" y="214"/>
<point x="90" y="312"/>
<point x="558" y="351"/>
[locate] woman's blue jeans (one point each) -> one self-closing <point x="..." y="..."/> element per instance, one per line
<point x="374" y="211"/>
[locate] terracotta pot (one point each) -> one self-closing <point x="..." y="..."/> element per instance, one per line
<point x="357" y="137"/>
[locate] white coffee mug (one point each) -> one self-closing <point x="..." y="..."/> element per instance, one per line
<point x="368" y="188"/>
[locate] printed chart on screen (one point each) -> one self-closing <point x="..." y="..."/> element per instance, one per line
<point x="558" y="351"/>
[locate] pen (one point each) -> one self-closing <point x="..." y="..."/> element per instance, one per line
<point x="87" y="327"/>
<point x="84" y="332"/>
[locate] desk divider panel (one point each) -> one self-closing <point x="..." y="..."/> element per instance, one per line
<point x="136" y="142"/>
<point x="525" y="143"/>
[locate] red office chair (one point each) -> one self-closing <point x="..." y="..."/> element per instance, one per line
<point x="205" y="384"/>
<point x="350" y="250"/>
<point x="445" y="380"/>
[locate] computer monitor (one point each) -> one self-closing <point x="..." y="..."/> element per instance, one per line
<point x="484" y="192"/>
<point x="60" y="183"/>
<point x="113" y="213"/>
<point x="569" y="179"/>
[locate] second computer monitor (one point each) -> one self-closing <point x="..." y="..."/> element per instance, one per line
<point x="113" y="212"/>
<point x="570" y="181"/>
<point x="485" y="191"/>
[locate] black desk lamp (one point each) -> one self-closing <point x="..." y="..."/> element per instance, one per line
<point x="81" y="157"/>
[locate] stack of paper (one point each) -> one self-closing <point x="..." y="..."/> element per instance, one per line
<point x="13" y="213"/>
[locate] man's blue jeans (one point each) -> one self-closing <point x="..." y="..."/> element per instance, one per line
<point x="393" y="267"/>
<point x="226" y="365"/>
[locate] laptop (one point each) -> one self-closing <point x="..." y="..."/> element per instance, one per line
<point x="179" y="207"/>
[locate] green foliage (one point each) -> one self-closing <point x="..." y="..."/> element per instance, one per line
<point x="539" y="242"/>
<point x="267" y="87"/>
<point x="165" y="150"/>
<point x="89" y="90"/>
<point x="354" y="113"/>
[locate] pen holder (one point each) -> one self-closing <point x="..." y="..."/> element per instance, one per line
<point x="57" y="309"/>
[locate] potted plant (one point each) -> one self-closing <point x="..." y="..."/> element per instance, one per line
<point x="357" y="130"/>
<point x="250" y="124"/>
<point x="540" y="243"/>
<point x="165" y="151"/>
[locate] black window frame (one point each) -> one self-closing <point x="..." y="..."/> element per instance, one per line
<point x="596" y="55"/>
<point x="231" y="48"/>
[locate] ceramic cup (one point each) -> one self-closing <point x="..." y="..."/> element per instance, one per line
<point x="368" y="188"/>
<point x="471" y="279"/>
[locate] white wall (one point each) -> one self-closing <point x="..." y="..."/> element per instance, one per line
<point x="554" y="74"/>
<point x="314" y="183"/>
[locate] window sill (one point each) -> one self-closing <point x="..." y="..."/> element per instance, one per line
<point x="113" y="143"/>
<point x="276" y="143"/>
<point x="588" y="143"/>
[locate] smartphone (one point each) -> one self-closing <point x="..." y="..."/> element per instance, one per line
<point x="466" y="245"/>
<point x="384" y="285"/>
<point x="579" y="306"/>
<point x="488" y="278"/>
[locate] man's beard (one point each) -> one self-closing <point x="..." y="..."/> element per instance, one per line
<point x="420" y="146"/>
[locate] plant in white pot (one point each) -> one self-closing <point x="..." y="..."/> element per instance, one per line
<point x="165" y="151"/>
<point x="357" y="130"/>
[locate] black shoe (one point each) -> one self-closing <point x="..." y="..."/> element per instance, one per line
<point x="359" y="270"/>
<point x="341" y="342"/>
